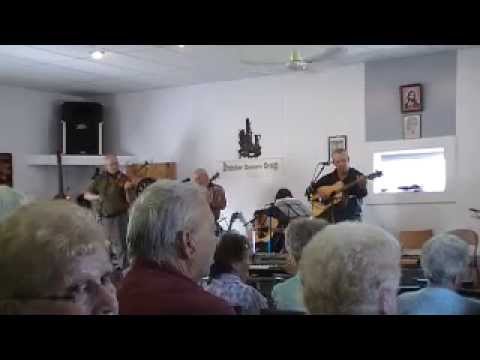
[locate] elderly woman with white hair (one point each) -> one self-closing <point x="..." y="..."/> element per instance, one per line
<point x="351" y="268"/>
<point x="287" y="295"/>
<point x="54" y="260"/>
<point x="444" y="259"/>
<point x="10" y="199"/>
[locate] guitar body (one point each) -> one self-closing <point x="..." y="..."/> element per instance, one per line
<point x="327" y="196"/>
<point x="326" y="192"/>
<point x="265" y="227"/>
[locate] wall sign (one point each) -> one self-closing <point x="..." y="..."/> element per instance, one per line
<point x="254" y="168"/>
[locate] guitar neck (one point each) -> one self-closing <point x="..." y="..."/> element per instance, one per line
<point x="60" y="176"/>
<point x="350" y="185"/>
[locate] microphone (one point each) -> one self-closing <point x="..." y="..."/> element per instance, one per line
<point x="324" y="163"/>
<point x="186" y="180"/>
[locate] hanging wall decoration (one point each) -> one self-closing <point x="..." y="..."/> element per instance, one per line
<point x="335" y="143"/>
<point x="249" y="148"/>
<point x="411" y="97"/>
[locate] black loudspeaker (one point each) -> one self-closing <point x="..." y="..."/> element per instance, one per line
<point x="82" y="124"/>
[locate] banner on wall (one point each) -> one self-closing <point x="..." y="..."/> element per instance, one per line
<point x="266" y="167"/>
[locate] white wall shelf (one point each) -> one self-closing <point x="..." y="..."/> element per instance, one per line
<point x="75" y="160"/>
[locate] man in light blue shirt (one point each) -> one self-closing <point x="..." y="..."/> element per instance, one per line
<point x="444" y="258"/>
<point x="288" y="294"/>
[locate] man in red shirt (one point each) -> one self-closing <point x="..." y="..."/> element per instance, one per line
<point x="171" y="240"/>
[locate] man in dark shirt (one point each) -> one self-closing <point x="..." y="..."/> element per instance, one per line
<point x="111" y="192"/>
<point x="351" y="207"/>
<point x="172" y="242"/>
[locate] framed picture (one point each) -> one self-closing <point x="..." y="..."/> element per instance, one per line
<point x="411" y="98"/>
<point x="6" y="169"/>
<point x="412" y="126"/>
<point x="336" y="142"/>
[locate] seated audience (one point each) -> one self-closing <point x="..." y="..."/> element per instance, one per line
<point x="9" y="200"/>
<point x="229" y="273"/>
<point x="351" y="268"/>
<point x="444" y="259"/>
<point x="288" y="294"/>
<point x="171" y="240"/>
<point x="54" y="260"/>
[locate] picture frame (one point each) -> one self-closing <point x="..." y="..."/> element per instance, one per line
<point x="336" y="142"/>
<point x="411" y="98"/>
<point x="6" y="169"/>
<point x="412" y="126"/>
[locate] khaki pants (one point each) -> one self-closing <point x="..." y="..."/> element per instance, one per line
<point x="116" y="232"/>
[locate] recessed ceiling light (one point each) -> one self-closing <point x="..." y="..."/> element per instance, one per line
<point x="97" y="55"/>
<point x="181" y="46"/>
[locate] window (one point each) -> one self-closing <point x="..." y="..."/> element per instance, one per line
<point x="412" y="170"/>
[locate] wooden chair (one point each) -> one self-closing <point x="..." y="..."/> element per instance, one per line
<point x="471" y="238"/>
<point x="411" y="243"/>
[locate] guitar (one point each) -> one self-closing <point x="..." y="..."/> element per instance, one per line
<point x="61" y="194"/>
<point x="265" y="227"/>
<point x="327" y="196"/>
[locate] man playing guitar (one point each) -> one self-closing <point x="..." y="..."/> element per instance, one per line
<point x="350" y="205"/>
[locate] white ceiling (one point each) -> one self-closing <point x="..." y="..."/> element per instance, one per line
<point x="126" y="68"/>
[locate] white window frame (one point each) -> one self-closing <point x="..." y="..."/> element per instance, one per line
<point x="448" y="196"/>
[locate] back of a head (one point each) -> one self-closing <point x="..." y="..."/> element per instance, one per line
<point x="444" y="258"/>
<point x="10" y="199"/>
<point x="163" y="210"/>
<point x="283" y="193"/>
<point x="299" y="232"/>
<point x="351" y="268"/>
<point x="38" y="241"/>
<point x="232" y="248"/>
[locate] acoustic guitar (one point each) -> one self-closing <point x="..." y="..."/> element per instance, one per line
<point x="61" y="193"/>
<point x="265" y="227"/>
<point x="327" y="196"/>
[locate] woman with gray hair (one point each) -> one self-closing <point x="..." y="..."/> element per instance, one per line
<point x="10" y="199"/>
<point x="351" y="268"/>
<point x="54" y="260"/>
<point x="444" y="258"/>
<point x="288" y="294"/>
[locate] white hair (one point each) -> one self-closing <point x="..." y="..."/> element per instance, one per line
<point x="37" y="242"/>
<point x="162" y="211"/>
<point x="299" y="232"/>
<point x="10" y="199"/>
<point x="345" y="266"/>
<point x="444" y="257"/>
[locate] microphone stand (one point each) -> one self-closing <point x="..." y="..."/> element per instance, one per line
<point x="315" y="178"/>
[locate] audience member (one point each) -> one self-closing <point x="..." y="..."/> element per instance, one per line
<point x="444" y="259"/>
<point x="351" y="268"/>
<point x="288" y="294"/>
<point x="54" y="260"/>
<point x="9" y="200"/>
<point x="171" y="243"/>
<point x="229" y="274"/>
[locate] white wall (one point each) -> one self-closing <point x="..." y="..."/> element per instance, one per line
<point x="28" y="120"/>
<point x="198" y="126"/>
<point x="468" y="134"/>
<point x="295" y="113"/>
<point x="441" y="217"/>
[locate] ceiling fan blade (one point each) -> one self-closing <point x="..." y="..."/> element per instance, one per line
<point x="327" y="54"/>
